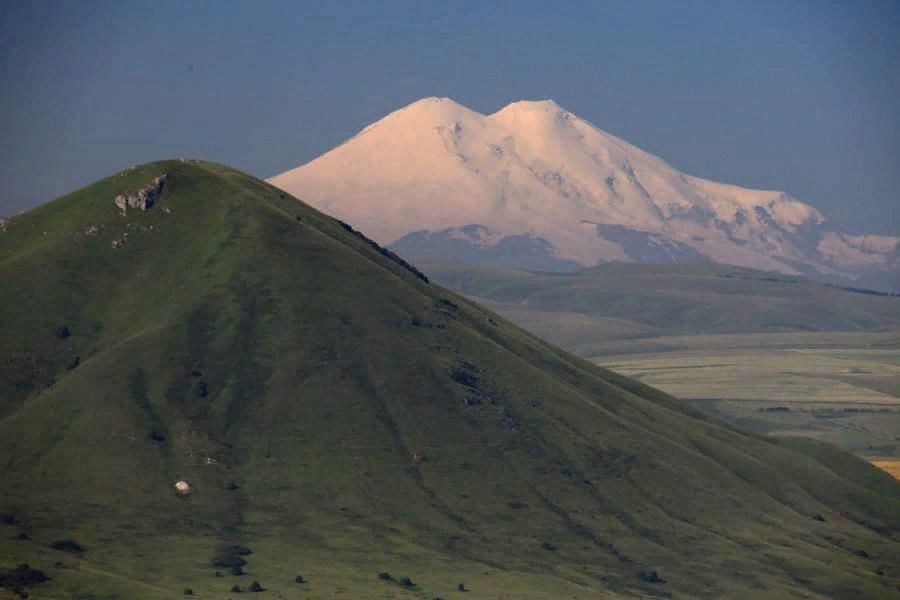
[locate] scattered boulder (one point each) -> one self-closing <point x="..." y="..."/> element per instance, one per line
<point x="120" y="242"/>
<point x="184" y="488"/>
<point x="144" y="198"/>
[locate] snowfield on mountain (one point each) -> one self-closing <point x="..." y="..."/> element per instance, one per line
<point x="535" y="186"/>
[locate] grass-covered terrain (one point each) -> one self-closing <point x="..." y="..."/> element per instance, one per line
<point x="340" y="417"/>
<point x="774" y="353"/>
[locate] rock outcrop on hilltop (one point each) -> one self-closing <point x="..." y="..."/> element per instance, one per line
<point x="144" y="198"/>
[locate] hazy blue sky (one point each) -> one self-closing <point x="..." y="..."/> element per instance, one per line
<point x="798" y="96"/>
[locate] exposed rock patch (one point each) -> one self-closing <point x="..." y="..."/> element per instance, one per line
<point x="120" y="242"/>
<point x="144" y="198"/>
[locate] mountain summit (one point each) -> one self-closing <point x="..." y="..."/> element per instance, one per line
<point x="535" y="186"/>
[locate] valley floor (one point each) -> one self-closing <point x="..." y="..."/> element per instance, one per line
<point x="842" y="388"/>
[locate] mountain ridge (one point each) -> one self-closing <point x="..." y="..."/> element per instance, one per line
<point x="532" y="168"/>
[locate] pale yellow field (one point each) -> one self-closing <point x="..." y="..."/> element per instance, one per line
<point x="891" y="466"/>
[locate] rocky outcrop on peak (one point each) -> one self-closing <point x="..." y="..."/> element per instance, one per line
<point x="144" y="198"/>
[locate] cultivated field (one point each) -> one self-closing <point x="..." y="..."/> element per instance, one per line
<point x="833" y="387"/>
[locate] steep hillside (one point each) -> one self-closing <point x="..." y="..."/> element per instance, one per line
<point x="534" y="186"/>
<point x="338" y="416"/>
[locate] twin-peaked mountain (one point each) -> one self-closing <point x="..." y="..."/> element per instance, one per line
<point x="535" y="186"/>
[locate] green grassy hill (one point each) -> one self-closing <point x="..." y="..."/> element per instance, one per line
<point x="340" y="417"/>
<point x="628" y="300"/>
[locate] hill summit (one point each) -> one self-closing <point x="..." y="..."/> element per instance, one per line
<point x="219" y="388"/>
<point x="534" y="186"/>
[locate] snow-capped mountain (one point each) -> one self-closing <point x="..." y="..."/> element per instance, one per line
<point x="535" y="186"/>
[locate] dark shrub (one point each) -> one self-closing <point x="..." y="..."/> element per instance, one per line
<point x="236" y="589"/>
<point x="464" y="377"/>
<point x="650" y="577"/>
<point x="385" y="576"/>
<point x="74" y="363"/>
<point x="517" y="505"/>
<point x="157" y="437"/>
<point x="299" y="579"/>
<point x="236" y="571"/>
<point x="819" y="518"/>
<point x="255" y="587"/>
<point x="201" y="390"/>
<point x="67" y="546"/>
<point x="21" y="536"/>
<point x="8" y="519"/>
<point x="188" y="592"/>
<point x="219" y="574"/>
<point x="229" y="556"/>
<point x="862" y="553"/>
<point x="407" y="582"/>
<point x="21" y="575"/>
<point x="462" y="588"/>
<point x="62" y="332"/>
<point x="548" y="546"/>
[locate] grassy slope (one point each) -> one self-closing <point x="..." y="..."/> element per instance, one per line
<point x="677" y="299"/>
<point x="314" y="374"/>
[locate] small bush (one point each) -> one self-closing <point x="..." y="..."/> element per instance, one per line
<point x="407" y="582"/>
<point x="62" y="332"/>
<point x="255" y="587"/>
<point x="462" y="587"/>
<point x="236" y="571"/>
<point x="236" y="589"/>
<point x="21" y="536"/>
<point x="67" y="546"/>
<point x="299" y="579"/>
<point x="21" y="575"/>
<point x="385" y="576"/>
<point x="548" y="546"/>
<point x="650" y="577"/>
<point x="229" y="556"/>
<point x="73" y="364"/>
<point x="219" y="574"/>
<point x="188" y="592"/>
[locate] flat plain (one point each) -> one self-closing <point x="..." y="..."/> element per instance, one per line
<point x="848" y="395"/>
